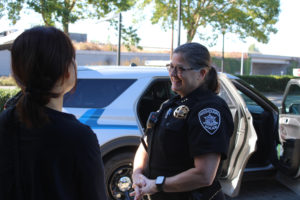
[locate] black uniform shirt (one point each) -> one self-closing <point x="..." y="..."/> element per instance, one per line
<point x="197" y="124"/>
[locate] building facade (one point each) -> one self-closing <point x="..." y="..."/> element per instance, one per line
<point x="270" y="65"/>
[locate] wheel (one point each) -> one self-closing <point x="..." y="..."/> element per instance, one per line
<point x="118" y="171"/>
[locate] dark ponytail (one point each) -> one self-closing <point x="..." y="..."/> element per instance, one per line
<point x="40" y="57"/>
<point x="30" y="107"/>
<point x="211" y="80"/>
<point x="197" y="56"/>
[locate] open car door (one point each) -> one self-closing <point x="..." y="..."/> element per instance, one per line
<point x="289" y="129"/>
<point x="243" y="141"/>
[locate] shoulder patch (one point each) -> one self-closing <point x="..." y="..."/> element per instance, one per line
<point x="210" y="120"/>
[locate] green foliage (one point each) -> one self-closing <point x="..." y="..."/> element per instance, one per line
<point x="13" y="9"/>
<point x="270" y="83"/>
<point x="293" y="64"/>
<point x="5" y="94"/>
<point x="67" y="11"/>
<point x="129" y="36"/>
<point x="246" y="18"/>
<point x="253" y="48"/>
<point x="233" y="65"/>
<point x="165" y="13"/>
<point x="7" y="81"/>
<point x="1" y="9"/>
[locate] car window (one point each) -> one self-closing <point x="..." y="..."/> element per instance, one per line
<point x="96" y="93"/>
<point x="160" y="89"/>
<point x="252" y="106"/>
<point x="292" y="100"/>
<point x="156" y="93"/>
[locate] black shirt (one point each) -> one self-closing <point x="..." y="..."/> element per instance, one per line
<point x="197" y="124"/>
<point x="61" y="160"/>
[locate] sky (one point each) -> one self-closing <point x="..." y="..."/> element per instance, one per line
<point x="286" y="42"/>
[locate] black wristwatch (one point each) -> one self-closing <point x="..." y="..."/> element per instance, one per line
<point x="160" y="180"/>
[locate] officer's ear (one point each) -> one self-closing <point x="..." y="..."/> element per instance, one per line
<point x="203" y="72"/>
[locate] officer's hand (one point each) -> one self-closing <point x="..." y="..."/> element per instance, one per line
<point x="136" y="193"/>
<point x="149" y="188"/>
<point x="139" y="180"/>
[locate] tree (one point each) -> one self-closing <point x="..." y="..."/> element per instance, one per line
<point x="129" y="35"/>
<point x="67" y="11"/>
<point x="166" y="14"/>
<point x="254" y="18"/>
<point x="253" y="49"/>
<point x="1" y="9"/>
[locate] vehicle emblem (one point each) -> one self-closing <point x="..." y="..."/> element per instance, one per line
<point x="181" y="112"/>
<point x="210" y="120"/>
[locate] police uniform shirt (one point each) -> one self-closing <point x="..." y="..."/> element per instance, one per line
<point x="197" y="124"/>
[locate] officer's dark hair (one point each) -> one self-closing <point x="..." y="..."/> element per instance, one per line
<point x="197" y="56"/>
<point x="40" y="57"/>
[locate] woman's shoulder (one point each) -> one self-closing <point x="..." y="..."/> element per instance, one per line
<point x="82" y="136"/>
<point x="68" y="125"/>
<point x="6" y="115"/>
<point x="74" y="126"/>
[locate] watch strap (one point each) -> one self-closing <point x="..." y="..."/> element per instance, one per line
<point x="160" y="186"/>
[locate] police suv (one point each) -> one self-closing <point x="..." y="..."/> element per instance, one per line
<point x="116" y="101"/>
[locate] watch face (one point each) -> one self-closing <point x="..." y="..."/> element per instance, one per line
<point x="160" y="179"/>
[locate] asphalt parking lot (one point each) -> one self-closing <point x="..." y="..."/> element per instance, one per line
<point x="265" y="190"/>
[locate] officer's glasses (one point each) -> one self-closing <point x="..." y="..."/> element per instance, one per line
<point x="178" y="69"/>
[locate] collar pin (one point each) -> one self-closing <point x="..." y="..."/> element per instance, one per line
<point x="184" y="100"/>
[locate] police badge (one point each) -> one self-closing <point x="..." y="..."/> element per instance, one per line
<point x="210" y="120"/>
<point x="181" y="112"/>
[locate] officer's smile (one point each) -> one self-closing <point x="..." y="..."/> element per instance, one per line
<point x="176" y="80"/>
<point x="176" y="83"/>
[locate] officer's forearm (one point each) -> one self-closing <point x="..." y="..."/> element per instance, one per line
<point x="186" y="181"/>
<point x="201" y="176"/>
<point x="140" y="160"/>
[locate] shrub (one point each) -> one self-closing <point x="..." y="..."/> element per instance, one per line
<point x="232" y="65"/>
<point x="7" y="81"/>
<point x="268" y="83"/>
<point x="5" y="94"/>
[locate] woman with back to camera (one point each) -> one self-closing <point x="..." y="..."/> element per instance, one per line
<point x="189" y="135"/>
<point x="45" y="153"/>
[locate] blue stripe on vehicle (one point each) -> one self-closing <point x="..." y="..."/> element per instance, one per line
<point x="91" y="117"/>
<point x="116" y="126"/>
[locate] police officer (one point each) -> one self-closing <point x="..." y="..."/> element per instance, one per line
<point x="190" y="135"/>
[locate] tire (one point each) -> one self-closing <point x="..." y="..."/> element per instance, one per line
<point x="118" y="171"/>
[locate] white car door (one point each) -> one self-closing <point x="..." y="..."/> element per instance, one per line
<point x="289" y="129"/>
<point x="243" y="141"/>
